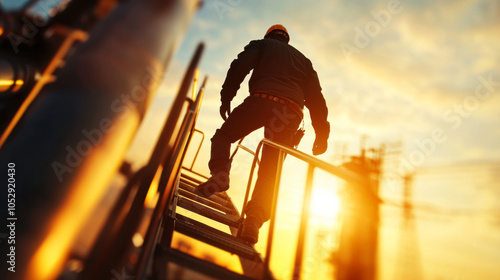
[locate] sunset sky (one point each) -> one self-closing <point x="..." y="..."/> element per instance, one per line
<point x="393" y="70"/>
<point x="421" y="73"/>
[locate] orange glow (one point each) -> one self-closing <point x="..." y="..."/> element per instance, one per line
<point x="46" y="77"/>
<point x="325" y="202"/>
<point x="137" y="240"/>
<point x="10" y="82"/>
<point x="195" y="82"/>
<point x="6" y="84"/>
<point x="153" y="195"/>
<point x="207" y="252"/>
<point x="50" y="256"/>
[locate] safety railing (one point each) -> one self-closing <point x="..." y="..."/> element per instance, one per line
<point x="197" y="150"/>
<point x="193" y="161"/>
<point x="169" y="176"/>
<point x="355" y="181"/>
<point x="239" y="145"/>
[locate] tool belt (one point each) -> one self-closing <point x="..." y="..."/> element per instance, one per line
<point x="291" y="104"/>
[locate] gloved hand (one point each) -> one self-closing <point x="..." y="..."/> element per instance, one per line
<point x="320" y="146"/>
<point x="225" y="110"/>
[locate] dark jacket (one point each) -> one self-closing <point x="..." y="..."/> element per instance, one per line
<point x="281" y="70"/>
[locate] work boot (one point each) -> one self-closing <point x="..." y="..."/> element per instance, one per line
<point x="217" y="183"/>
<point x="250" y="230"/>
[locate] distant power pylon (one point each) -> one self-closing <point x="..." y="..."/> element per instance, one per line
<point x="408" y="265"/>
<point x="356" y="258"/>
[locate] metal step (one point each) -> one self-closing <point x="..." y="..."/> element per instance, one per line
<point x="206" y="202"/>
<point x="217" y="198"/>
<point x="190" y="183"/>
<point x="215" y="237"/>
<point x="193" y="183"/>
<point x="191" y="178"/>
<point x="207" y="212"/>
<point x="203" y="267"/>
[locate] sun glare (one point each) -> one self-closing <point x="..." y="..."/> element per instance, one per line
<point x="325" y="205"/>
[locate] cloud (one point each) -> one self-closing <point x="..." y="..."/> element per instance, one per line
<point x="426" y="59"/>
<point x="422" y="60"/>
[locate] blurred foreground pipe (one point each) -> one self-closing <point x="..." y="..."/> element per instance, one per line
<point x="16" y="110"/>
<point x="73" y="138"/>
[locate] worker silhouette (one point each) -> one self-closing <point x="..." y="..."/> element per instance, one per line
<point x="282" y="82"/>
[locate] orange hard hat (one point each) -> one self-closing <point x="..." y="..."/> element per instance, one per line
<point x="277" y="27"/>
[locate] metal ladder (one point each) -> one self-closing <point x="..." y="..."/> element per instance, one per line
<point x="218" y="208"/>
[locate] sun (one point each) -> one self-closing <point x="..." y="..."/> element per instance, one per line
<point x="325" y="205"/>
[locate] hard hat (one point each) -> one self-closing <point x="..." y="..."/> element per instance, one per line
<point x="278" y="27"/>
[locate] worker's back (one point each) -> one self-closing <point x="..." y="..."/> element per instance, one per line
<point x="282" y="70"/>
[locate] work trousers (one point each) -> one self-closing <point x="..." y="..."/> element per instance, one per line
<point x="280" y="124"/>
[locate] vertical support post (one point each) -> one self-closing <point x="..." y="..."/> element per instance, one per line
<point x="273" y="213"/>
<point x="247" y="192"/>
<point x="306" y="202"/>
<point x="199" y="148"/>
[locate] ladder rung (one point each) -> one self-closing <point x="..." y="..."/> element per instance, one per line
<point x="190" y="182"/>
<point x="207" y="212"/>
<point x="190" y="178"/>
<point x="214" y="237"/>
<point x="206" y="202"/>
<point x="202" y="266"/>
<point x="217" y="197"/>
<point x="193" y="183"/>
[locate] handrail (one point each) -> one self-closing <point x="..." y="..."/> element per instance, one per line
<point x="197" y="103"/>
<point x="198" y="150"/>
<point x="313" y="163"/>
<point x="171" y="170"/>
<point x="244" y="148"/>
<point x="238" y="146"/>
<point x="335" y="170"/>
